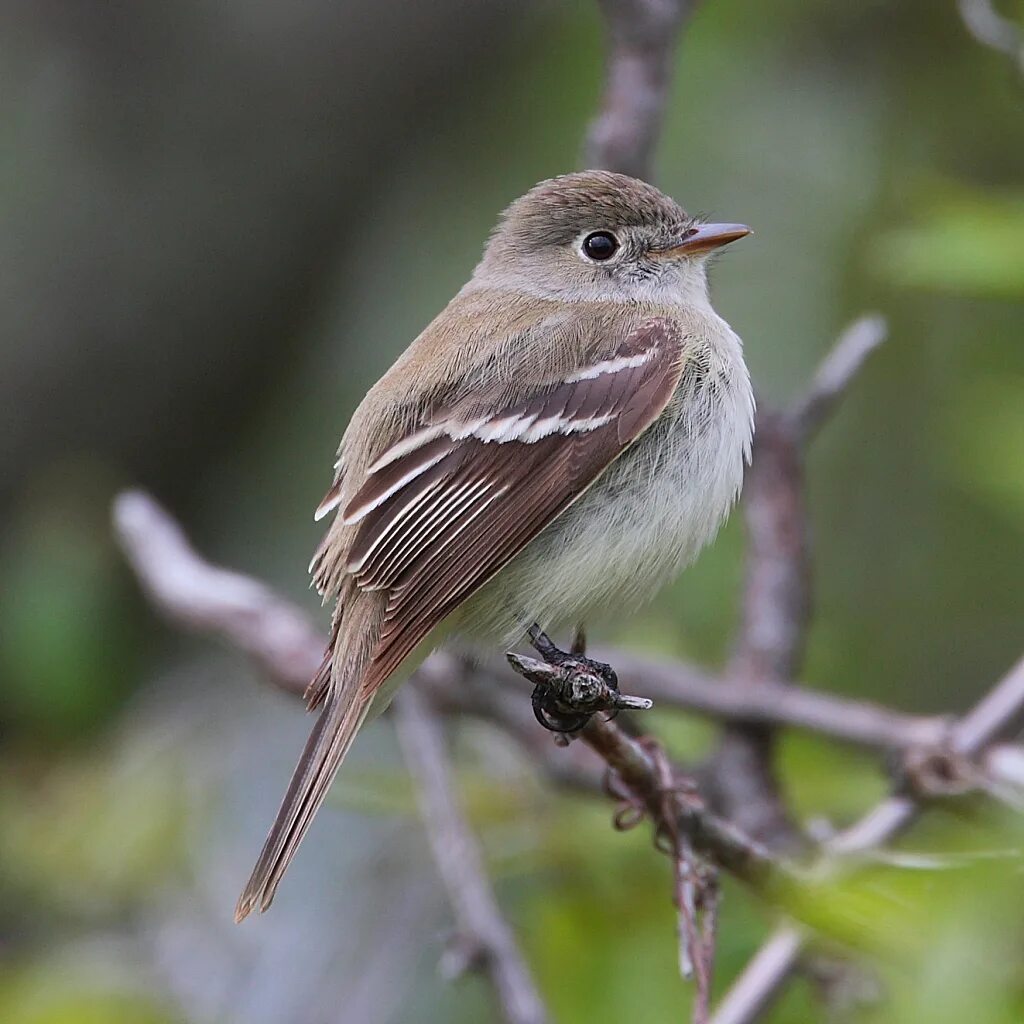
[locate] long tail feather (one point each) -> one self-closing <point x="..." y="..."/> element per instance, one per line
<point x="325" y="749"/>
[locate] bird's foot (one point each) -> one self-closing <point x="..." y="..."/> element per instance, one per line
<point x="570" y="687"/>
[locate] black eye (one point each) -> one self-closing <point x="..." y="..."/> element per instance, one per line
<point x="600" y="245"/>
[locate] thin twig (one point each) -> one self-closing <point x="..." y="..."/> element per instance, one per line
<point x="642" y="38"/>
<point x="712" y="837"/>
<point x="999" y="712"/>
<point x="695" y="897"/>
<point x="203" y="597"/>
<point x="674" y="684"/>
<point x="200" y="596"/>
<point x="770" y="641"/>
<point x="991" y="29"/>
<point x="837" y="371"/>
<point x="646" y="783"/>
<point x="762" y="979"/>
<point x="708" y="944"/>
<point x="484" y="937"/>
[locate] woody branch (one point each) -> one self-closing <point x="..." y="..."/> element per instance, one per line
<point x="755" y="696"/>
<point x="642" y="37"/>
<point x="196" y="595"/>
<point x="199" y="596"/>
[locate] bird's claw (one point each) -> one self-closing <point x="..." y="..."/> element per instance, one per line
<point x="569" y="687"/>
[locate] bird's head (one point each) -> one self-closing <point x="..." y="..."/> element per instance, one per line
<point x="596" y="235"/>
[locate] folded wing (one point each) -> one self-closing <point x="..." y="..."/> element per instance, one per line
<point x="443" y="509"/>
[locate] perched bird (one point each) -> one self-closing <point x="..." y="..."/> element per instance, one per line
<point x="564" y="438"/>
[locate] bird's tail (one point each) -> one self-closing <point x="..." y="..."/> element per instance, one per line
<point x="345" y="710"/>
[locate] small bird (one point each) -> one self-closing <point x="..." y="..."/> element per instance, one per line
<point x="563" y="439"/>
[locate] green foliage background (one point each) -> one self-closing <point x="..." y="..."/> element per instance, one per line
<point x="221" y="222"/>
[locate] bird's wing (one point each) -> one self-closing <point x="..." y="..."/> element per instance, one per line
<point x="446" y="506"/>
<point x="441" y="510"/>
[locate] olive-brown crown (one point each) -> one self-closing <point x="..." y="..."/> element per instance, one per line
<point x="556" y="211"/>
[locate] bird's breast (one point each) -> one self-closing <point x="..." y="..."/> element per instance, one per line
<point x="646" y="517"/>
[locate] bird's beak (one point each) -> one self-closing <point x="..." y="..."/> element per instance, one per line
<point x="704" y="238"/>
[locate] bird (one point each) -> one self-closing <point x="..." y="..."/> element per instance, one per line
<point x="563" y="439"/>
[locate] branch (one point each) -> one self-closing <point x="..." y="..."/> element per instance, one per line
<point x="200" y="596"/>
<point x="768" y="702"/>
<point x="762" y="979"/>
<point x="279" y="637"/>
<point x="770" y="642"/>
<point x="192" y="593"/>
<point x="1000" y="712"/>
<point x="484" y="938"/>
<point x="642" y="37"/>
<point x="777" y="596"/>
<point x="776" y="601"/>
<point x="991" y="29"/>
<point x="636" y="766"/>
<point x="836" y="373"/>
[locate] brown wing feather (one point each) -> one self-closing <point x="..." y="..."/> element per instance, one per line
<point x="459" y="506"/>
<point x="439" y="513"/>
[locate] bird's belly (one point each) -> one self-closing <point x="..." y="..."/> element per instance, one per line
<point x="643" y="521"/>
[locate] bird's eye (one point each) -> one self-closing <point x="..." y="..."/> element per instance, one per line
<point x="600" y="246"/>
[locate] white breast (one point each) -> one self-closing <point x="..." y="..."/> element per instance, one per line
<point x="645" y="519"/>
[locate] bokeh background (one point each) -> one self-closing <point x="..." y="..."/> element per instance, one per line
<point x="220" y="220"/>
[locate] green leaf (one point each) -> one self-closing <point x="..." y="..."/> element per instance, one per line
<point x="966" y="244"/>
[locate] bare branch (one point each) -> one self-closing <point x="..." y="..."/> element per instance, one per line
<point x="1004" y="763"/>
<point x="200" y="596"/>
<point x="696" y="899"/>
<point x="991" y="29"/>
<point x="484" y="937"/>
<point x="776" y="600"/>
<point x="642" y="37"/>
<point x="837" y="372"/>
<point x="706" y="947"/>
<point x="457" y="687"/>
<point x="712" y="837"/>
<point x="770" y="639"/>
<point x="762" y="979"/>
<point x="191" y="592"/>
<point x="999" y="712"/>
<point x="777" y="591"/>
<point x="769" y="702"/>
<point x="776" y="597"/>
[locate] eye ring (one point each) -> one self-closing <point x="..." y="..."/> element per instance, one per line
<point x="600" y="246"/>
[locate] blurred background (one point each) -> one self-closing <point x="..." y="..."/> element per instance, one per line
<point x="220" y="220"/>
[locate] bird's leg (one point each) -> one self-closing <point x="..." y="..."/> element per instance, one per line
<point x="570" y="687"/>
